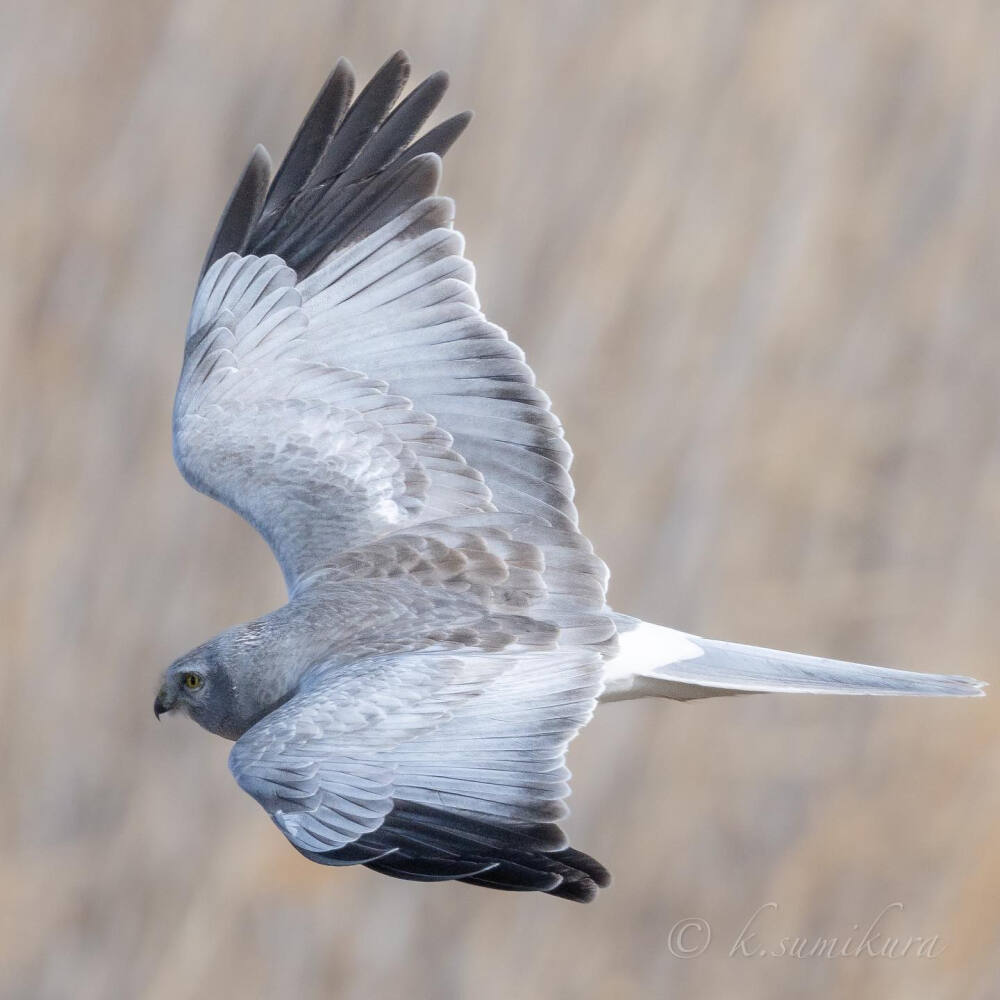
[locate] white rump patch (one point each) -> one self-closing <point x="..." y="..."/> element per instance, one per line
<point x="641" y="650"/>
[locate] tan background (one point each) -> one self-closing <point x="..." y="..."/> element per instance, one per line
<point x="753" y="252"/>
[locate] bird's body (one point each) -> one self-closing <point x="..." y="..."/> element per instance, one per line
<point x="447" y="630"/>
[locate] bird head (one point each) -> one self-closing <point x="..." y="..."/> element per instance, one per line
<point x="197" y="685"/>
<point x="184" y="685"/>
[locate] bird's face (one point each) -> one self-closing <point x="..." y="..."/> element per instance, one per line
<point x="197" y="685"/>
<point x="185" y="686"/>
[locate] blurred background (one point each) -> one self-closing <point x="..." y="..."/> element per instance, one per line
<point x="753" y="253"/>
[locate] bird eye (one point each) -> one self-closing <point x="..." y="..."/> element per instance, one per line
<point x="192" y="681"/>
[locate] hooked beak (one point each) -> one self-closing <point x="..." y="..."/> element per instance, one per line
<point x="162" y="703"/>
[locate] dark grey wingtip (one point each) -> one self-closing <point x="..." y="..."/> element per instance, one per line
<point x="397" y="130"/>
<point x="324" y="117"/>
<point x="443" y="136"/>
<point x="352" y="165"/>
<point x="242" y="210"/>
<point x="400" y="57"/>
<point x="438" y="82"/>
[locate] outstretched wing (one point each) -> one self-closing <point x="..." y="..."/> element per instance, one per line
<point x="343" y="391"/>
<point x="340" y="381"/>
<point x="317" y="457"/>
<point x="430" y="766"/>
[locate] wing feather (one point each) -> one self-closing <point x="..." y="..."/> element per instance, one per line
<point x="352" y="265"/>
<point x="243" y="209"/>
<point x="325" y="115"/>
<point x="369" y="764"/>
<point x="344" y="392"/>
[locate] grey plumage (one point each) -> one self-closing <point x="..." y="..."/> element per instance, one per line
<point x="447" y="631"/>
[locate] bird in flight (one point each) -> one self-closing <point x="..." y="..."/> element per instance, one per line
<point x="447" y="631"/>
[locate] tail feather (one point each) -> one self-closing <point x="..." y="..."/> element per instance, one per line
<point x="654" y="661"/>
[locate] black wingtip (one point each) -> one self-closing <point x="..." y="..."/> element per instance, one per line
<point x="243" y="208"/>
<point x="321" y="121"/>
<point x="363" y="118"/>
<point x="590" y="866"/>
<point x="398" y="129"/>
<point x="351" y="164"/>
<point x="443" y="136"/>
<point x="396" y="67"/>
<point x="439" y="80"/>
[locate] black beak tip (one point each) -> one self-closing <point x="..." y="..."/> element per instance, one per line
<point x="159" y="707"/>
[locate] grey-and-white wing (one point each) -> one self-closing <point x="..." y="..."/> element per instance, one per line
<point x="431" y="766"/>
<point x="342" y="390"/>
<point x="318" y="457"/>
<point x="340" y="380"/>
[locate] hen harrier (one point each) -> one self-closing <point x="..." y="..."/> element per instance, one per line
<point x="446" y="632"/>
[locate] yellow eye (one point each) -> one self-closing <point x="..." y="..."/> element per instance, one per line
<point x="192" y="681"/>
